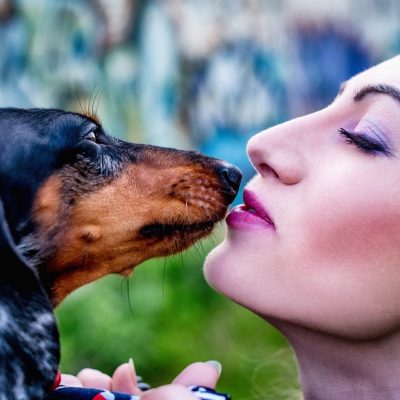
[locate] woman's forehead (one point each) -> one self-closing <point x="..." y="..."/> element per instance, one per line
<point x="387" y="72"/>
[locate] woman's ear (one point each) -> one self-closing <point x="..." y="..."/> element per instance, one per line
<point x="29" y="342"/>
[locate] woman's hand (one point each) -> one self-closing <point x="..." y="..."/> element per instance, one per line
<point x="124" y="380"/>
<point x="197" y="374"/>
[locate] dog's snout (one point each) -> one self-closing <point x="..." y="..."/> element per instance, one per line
<point x="230" y="176"/>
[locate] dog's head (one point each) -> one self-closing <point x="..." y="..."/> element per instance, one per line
<point x="81" y="204"/>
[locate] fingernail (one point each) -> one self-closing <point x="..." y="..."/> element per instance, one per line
<point x="133" y="371"/>
<point x="215" y="364"/>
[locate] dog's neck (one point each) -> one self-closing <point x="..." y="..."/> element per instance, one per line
<point x="38" y="255"/>
<point x="59" y="279"/>
<point x="35" y="251"/>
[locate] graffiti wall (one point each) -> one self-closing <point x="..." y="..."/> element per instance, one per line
<point x="203" y="74"/>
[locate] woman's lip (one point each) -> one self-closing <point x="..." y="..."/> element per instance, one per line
<point x="249" y="215"/>
<point x="253" y="204"/>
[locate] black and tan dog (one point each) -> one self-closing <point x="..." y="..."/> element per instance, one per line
<point x="77" y="204"/>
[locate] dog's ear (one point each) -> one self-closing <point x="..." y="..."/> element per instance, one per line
<point x="29" y="344"/>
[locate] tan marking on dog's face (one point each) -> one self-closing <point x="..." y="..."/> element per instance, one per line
<point x="48" y="204"/>
<point x="101" y="231"/>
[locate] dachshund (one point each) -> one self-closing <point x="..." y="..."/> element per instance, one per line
<point x="77" y="204"/>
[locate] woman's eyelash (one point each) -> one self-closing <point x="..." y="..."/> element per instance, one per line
<point x="364" y="143"/>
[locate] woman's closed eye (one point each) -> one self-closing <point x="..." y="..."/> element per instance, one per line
<point x="365" y="143"/>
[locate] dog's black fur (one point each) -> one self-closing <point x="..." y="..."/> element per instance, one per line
<point x="53" y="165"/>
<point x="29" y="349"/>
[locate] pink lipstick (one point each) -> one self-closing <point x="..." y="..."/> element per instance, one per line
<point x="250" y="215"/>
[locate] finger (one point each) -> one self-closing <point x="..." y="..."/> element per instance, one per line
<point x="124" y="379"/>
<point x="92" y="378"/>
<point x="169" y="392"/>
<point x="200" y="374"/>
<point x="70" y="380"/>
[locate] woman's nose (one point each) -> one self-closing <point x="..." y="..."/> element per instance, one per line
<point x="273" y="154"/>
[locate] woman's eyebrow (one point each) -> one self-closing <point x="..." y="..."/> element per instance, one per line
<point x="385" y="89"/>
<point x="382" y="88"/>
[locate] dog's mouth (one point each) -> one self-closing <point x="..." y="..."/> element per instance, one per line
<point x="161" y="231"/>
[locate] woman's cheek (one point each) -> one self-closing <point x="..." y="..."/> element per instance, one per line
<point x="234" y="266"/>
<point x="358" y="230"/>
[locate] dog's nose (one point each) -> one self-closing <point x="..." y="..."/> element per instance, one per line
<point x="230" y="176"/>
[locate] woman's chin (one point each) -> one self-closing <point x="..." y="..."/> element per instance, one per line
<point x="223" y="270"/>
<point x="211" y="266"/>
<point x="215" y="268"/>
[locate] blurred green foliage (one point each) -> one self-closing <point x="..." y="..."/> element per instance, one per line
<point x="165" y="316"/>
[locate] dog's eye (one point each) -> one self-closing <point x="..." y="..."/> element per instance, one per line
<point x="91" y="136"/>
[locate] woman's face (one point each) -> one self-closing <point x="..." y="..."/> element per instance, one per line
<point x="330" y="183"/>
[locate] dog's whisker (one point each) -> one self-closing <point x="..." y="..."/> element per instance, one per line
<point x="207" y="211"/>
<point x="181" y="257"/>
<point x="95" y="94"/>
<point x="212" y="237"/>
<point x="128" y="287"/>
<point x="219" y="203"/>
<point x="121" y="287"/>
<point x="222" y="191"/>
<point x="197" y="251"/>
<point x="164" y="269"/>
<point x="77" y="96"/>
<point x="186" y="209"/>
<point x="125" y="284"/>
<point x="202" y="247"/>
<point x="98" y="101"/>
<point x="87" y="102"/>
<point x="95" y="103"/>
<point x="90" y="105"/>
